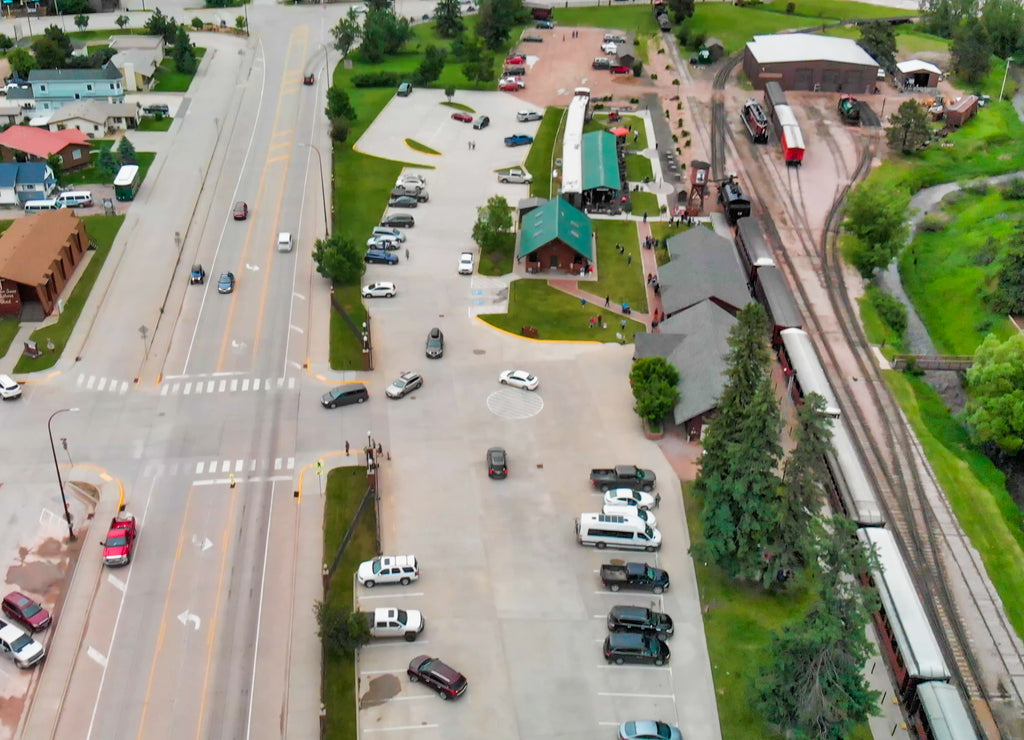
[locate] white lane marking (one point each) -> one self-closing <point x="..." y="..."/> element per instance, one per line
<point x="116" y="582"/>
<point x="277" y="463"/>
<point x="399" y="729"/>
<point x="363" y="597"/>
<point x="97" y="656"/>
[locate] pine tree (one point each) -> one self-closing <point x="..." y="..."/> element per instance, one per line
<point x="126" y="151"/>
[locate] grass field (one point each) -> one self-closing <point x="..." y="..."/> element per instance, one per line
<point x="540" y="160"/>
<point x="421" y="147"/>
<point x="102" y="230"/>
<point x="9" y="326"/>
<point x="621" y="282"/>
<point x="346" y="348"/>
<point x="557" y="315"/>
<point x="637" y="19"/>
<point x="962" y="261"/>
<point x="735" y="25"/>
<point x="94" y="176"/>
<point x="498" y="261"/>
<point x="345" y="489"/>
<point x="644" y="203"/>
<point x="838" y="10"/>
<point x="638" y="167"/>
<point x="168" y="79"/>
<point x="155" y="124"/>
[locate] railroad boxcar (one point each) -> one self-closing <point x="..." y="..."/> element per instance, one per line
<point x="905" y="635"/>
<point x="771" y="291"/>
<point x="943" y="715"/>
<point x="752" y="246"/>
<point x="735" y="203"/>
<point x="756" y="121"/>
<point x="800" y="360"/>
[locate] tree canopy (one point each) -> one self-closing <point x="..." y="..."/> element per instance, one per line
<point x="877" y="216"/>
<point x="995" y="409"/>
<point x="477" y="62"/>
<point x="431" y="66"/>
<point x="971" y="49"/>
<point x="448" y="18"/>
<point x="492" y="222"/>
<point x="382" y="33"/>
<point x="655" y="384"/>
<point x="22" y="62"/>
<point x="339" y="260"/>
<point x="496" y="19"/>
<point x="878" y="39"/>
<point x="908" y="129"/>
<point x="1004" y="22"/>
<point x="347" y="32"/>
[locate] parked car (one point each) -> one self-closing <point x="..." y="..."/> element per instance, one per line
<point x="466" y="263"/>
<point x="629" y="497"/>
<point x="602" y="63"/>
<point x="404" y="384"/>
<point x="439" y="676"/>
<point x="639" y="619"/>
<point x="519" y="379"/>
<point x="9" y="388"/>
<point x="533" y="38"/>
<point x="481" y="122"/>
<point x="386" y="569"/>
<point x="157" y="109"/>
<point x="435" y="344"/>
<point x="514" y="70"/>
<point x="19" y="647"/>
<point x="386" y="243"/>
<point x="413" y="191"/>
<point x="197" y="276"/>
<point x="508" y="86"/>
<point x="515" y="174"/>
<point x="380" y="257"/>
<point x="497" y="463"/>
<point x="379" y="290"/>
<point x="398" y="220"/>
<point x="25" y="611"/>
<point x="630" y="647"/>
<point x="464" y="117"/>
<point x="394" y="622"/>
<point x="226" y="282"/>
<point x="648" y="729"/>
<point x="241" y="211"/>
<point x="518" y="140"/>
<point x="525" y="116"/>
<point x="515" y="59"/>
<point x="515" y="79"/>
<point x="345" y="395"/>
<point x="403" y="201"/>
<point x="621" y="69"/>
<point x="546" y="23"/>
<point x="411" y="179"/>
<point x="389" y="232"/>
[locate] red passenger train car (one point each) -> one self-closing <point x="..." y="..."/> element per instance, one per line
<point x="790" y="135"/>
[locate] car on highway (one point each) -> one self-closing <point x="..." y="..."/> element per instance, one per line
<point x="403" y="201"/>
<point x="404" y="384"/>
<point x="518" y="140"/>
<point x="241" y="211"/>
<point x="386" y="569"/>
<point x="197" y="276"/>
<point x="398" y="220"/>
<point x="435" y="344"/>
<point x="525" y="116"/>
<point x="519" y="379"/>
<point x="629" y="497"/>
<point x="497" y="463"/>
<point x="648" y="729"/>
<point x="466" y="263"/>
<point x="27" y="612"/>
<point x="621" y="69"/>
<point x="481" y="122"/>
<point x="226" y="282"/>
<point x="380" y="257"/>
<point x="640" y="619"/>
<point x="462" y="116"/>
<point x="390" y="233"/>
<point x="632" y="647"/>
<point x="515" y="175"/>
<point x="439" y="676"/>
<point x="20" y="647"/>
<point x="344" y="395"/>
<point x="9" y="388"/>
<point x="379" y="290"/>
<point x="387" y="243"/>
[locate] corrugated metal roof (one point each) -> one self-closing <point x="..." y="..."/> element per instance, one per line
<point x="807" y="47"/>
<point x="600" y="161"/>
<point x="703" y="265"/>
<point x="556" y="219"/>
<point x="572" y="145"/>
<point x="916" y="65"/>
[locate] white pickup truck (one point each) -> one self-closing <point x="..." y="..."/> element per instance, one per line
<point x="392" y="622"/>
<point x="515" y="174"/>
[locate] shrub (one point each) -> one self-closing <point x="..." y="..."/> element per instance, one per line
<point x="633" y="101"/>
<point x="1014" y="190"/>
<point x="979" y="188"/>
<point x="790" y="8"/>
<point x="697" y="41"/>
<point x="890" y="310"/>
<point x="339" y="130"/>
<point x="197" y="23"/>
<point x="376" y="79"/>
<point x="653" y="77"/>
<point x="933" y="222"/>
<point x="987" y="253"/>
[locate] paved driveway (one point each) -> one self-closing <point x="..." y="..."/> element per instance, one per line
<point x="509" y="598"/>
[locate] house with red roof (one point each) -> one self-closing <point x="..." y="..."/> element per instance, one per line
<point x="31" y="144"/>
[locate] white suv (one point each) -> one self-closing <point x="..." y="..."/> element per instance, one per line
<point x="379" y="290"/>
<point x="389" y="569"/>
<point x="19" y="647"/>
<point x="466" y="263"/>
<point x="9" y="387"/>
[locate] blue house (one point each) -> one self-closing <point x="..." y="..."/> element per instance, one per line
<point x="24" y="181"/>
<point x="54" y="88"/>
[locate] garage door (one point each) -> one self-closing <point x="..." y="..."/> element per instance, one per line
<point x="803" y="79"/>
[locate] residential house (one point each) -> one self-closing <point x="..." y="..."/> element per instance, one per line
<point x="138" y="68"/>
<point x="54" y="88"/>
<point x="38" y="256"/>
<point x="10" y="113"/>
<point x="94" y="118"/>
<point x="23" y="181"/>
<point x="31" y="144"/>
<point x="556" y="236"/>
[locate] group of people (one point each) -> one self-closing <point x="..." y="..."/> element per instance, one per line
<point x="650" y="242"/>
<point x="652" y="280"/>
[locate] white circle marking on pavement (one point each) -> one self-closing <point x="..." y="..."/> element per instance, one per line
<point x="512" y="403"/>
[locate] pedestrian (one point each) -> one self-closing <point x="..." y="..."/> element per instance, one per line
<point x="622" y="325"/>
<point x="629" y="260"/>
<point x="630" y="127"/>
<point x="563" y="37"/>
<point x="650" y="277"/>
<point x="607" y="301"/>
<point x="591" y="322"/>
<point x="346" y="448"/>
<point x="645" y="216"/>
<point x="407" y="252"/>
<point x="583" y="301"/>
<point x="380" y="449"/>
<point x="469" y="144"/>
<point x="636" y="135"/>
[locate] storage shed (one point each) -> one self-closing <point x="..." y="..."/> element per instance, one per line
<point x="915" y="73"/>
<point x="961" y="110"/>
<point x="715" y="47"/>
<point x="806" y="61"/>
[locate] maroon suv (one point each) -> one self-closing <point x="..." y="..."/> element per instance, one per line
<point x="27" y="612"/>
<point x="442" y="678"/>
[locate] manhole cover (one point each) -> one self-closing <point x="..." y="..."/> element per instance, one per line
<point x="512" y="403"/>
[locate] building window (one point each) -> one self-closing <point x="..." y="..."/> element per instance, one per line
<point x="75" y="154"/>
<point x="78" y="96"/>
<point x="88" y="88"/>
<point x="42" y="88"/>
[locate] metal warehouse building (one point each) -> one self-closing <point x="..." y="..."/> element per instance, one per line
<point x="805" y="61"/>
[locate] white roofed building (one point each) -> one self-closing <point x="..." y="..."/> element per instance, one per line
<point x="807" y="61"/>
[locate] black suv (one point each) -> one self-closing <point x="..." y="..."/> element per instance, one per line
<point x="398" y="221"/>
<point x="629" y="647"/>
<point x="442" y="678"/>
<point x="497" y="463"/>
<point x="639" y="619"/>
<point x="435" y="344"/>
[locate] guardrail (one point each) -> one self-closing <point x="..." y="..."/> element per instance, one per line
<point x="933" y="362"/>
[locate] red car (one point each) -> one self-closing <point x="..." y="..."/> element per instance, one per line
<point x="241" y="211"/>
<point x="509" y="86"/>
<point x="621" y="69"/>
<point x="464" y="117"/>
<point x="24" y="610"/>
<point x="515" y="59"/>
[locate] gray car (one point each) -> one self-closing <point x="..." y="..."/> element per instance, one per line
<point x="435" y="344"/>
<point x="405" y="383"/>
<point x="403" y="201"/>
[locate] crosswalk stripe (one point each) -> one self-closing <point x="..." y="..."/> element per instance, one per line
<point x="199" y="468"/>
<point x="234" y="385"/>
<point x="81" y="379"/>
<point x="277" y="463"/>
<point x="245" y="384"/>
<point x="225" y="466"/>
<point x="209" y="386"/>
<point x="102" y="384"/>
<point x="91" y="383"/>
<point x="256" y="384"/>
<point x="222" y="386"/>
<point x="239" y="464"/>
<point x="188" y="388"/>
<point x="291" y="463"/>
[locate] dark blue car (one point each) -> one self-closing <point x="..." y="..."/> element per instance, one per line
<point x="380" y="257"/>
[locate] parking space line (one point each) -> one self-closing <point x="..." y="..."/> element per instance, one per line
<point x="639" y="696"/>
<point x="398" y="729"/>
<point x="391" y="596"/>
<point x="396" y="643"/>
<point x="389" y="670"/>
<point x="641" y="667"/>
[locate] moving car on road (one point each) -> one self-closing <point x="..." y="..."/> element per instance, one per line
<point x="439" y="676"/>
<point x="226" y="282"/>
<point x="385" y="569"/>
<point x="25" y="611"/>
<point x="435" y="344"/>
<point x="344" y="395"/>
<point x="519" y="379"/>
<point x="119" y="546"/>
<point x="518" y="140"/>
<point x="466" y="263"/>
<point x="379" y="290"/>
<point x="497" y="463"/>
<point x="380" y="257"/>
<point x="9" y="388"/>
<point x="404" y="384"/>
<point x="241" y="211"/>
<point x="197" y="276"/>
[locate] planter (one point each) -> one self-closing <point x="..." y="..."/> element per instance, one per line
<point x="653" y="429"/>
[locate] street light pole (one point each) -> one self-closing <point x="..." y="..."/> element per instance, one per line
<point x="60" y="481"/>
<point x="323" y="188"/>
<point x="1005" y="73"/>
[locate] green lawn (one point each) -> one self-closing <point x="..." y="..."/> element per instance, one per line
<point x="734" y="25"/>
<point x="638" y="167"/>
<point x="961" y="261"/>
<point x="635" y="18"/>
<point x="540" y="160"/>
<point x="94" y="176"/>
<point x="346" y="350"/>
<point x="345" y="489"/>
<point x="168" y="79"/>
<point x="155" y="124"/>
<point x="975" y="487"/>
<point x="498" y="261"/>
<point x="557" y="315"/>
<point x="840" y="10"/>
<point x="645" y="203"/>
<point x="876" y="330"/>
<point x="9" y="326"/>
<point x="910" y="41"/>
<point x="102" y="230"/>
<point x="618" y="280"/>
<point x="459" y="106"/>
<point x="421" y="147"/>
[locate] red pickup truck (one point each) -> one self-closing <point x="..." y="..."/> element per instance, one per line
<point x="120" y="542"/>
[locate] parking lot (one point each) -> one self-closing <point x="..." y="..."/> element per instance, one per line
<point x="510" y="599"/>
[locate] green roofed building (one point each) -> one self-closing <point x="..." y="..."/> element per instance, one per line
<point x="603" y="174"/>
<point x="556" y="236"/>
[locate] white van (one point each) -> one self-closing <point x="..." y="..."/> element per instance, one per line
<point x="627" y="511"/>
<point x="284" y="242"/>
<point x="616" y="38"/>
<point x="75" y="199"/>
<point x="612" y="530"/>
<point x="35" y="206"/>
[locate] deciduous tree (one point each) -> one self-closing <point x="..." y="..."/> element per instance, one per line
<point x="655" y="384"/>
<point x="159" y="24"/>
<point x="908" y="128"/>
<point x="971" y="49"/>
<point x="449" y="92"/>
<point x="493" y="221"/>
<point x="122" y="21"/>
<point x="995" y="408"/>
<point x="431" y="66"/>
<point x="878" y="39"/>
<point x="478" y="65"/>
<point x="347" y="32"/>
<point x="877" y="216"/>
<point x="339" y="105"/>
<point x="681" y="9"/>
<point x="22" y="62"/>
<point x="496" y="19"/>
<point x="1008" y="296"/>
<point x="338" y="259"/>
<point x="383" y="33"/>
<point x="342" y="632"/>
<point x="448" y="18"/>
<point x="1004" y="22"/>
<point x="48" y="54"/>
<point x="941" y="17"/>
<point x="82" y="21"/>
<point x="62" y="40"/>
